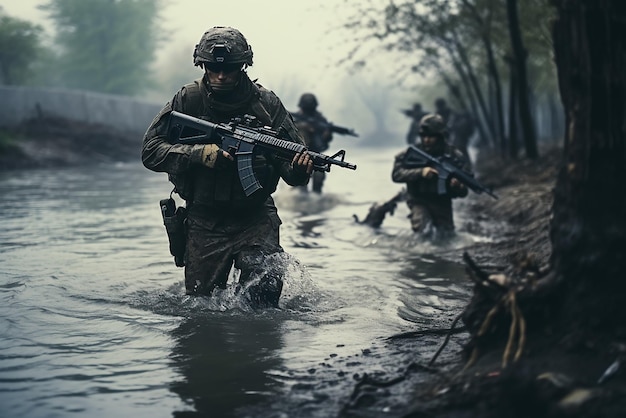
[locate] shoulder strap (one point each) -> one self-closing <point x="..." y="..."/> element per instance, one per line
<point x="260" y="111"/>
<point x="194" y="103"/>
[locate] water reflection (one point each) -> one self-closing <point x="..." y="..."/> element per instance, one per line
<point x="219" y="373"/>
<point x="435" y="291"/>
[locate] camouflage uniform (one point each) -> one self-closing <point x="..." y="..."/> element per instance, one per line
<point x="223" y="225"/>
<point x="313" y="127"/>
<point x="428" y="208"/>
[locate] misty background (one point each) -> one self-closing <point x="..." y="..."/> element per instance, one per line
<point x="367" y="61"/>
<point x="299" y="46"/>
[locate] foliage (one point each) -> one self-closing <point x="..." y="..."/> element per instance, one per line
<point x="536" y="17"/>
<point x="464" y="45"/>
<point x="20" y="47"/>
<point x="105" y="45"/>
<point x="429" y="34"/>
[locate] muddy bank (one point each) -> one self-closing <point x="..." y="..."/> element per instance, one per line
<point x="549" y="376"/>
<point x="57" y="143"/>
<point x="524" y="190"/>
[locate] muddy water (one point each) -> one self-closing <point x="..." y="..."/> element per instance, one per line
<point x="95" y="321"/>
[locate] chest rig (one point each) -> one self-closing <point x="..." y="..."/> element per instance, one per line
<point x="221" y="190"/>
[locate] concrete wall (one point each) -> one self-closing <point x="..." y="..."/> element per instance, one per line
<point x="18" y="104"/>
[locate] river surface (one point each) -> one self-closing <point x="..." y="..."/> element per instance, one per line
<point x="95" y="322"/>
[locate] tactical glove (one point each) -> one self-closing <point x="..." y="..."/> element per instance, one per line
<point x="302" y="164"/>
<point x="429" y="172"/>
<point x="211" y="155"/>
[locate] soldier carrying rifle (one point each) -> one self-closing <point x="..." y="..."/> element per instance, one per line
<point x="225" y="225"/>
<point x="317" y="133"/>
<point x="435" y="172"/>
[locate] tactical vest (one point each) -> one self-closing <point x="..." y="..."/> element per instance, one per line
<point x="221" y="191"/>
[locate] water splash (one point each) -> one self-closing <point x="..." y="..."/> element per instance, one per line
<point x="299" y="294"/>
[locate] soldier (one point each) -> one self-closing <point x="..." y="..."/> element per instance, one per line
<point x="416" y="114"/>
<point x="316" y="131"/>
<point x="224" y="227"/>
<point x="443" y="110"/>
<point x="460" y="125"/>
<point x="431" y="213"/>
<point x="463" y="128"/>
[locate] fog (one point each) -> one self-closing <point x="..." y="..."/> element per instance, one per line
<point x="297" y="48"/>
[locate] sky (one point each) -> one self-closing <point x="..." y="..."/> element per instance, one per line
<point x="296" y="45"/>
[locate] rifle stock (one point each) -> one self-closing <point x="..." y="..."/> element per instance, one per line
<point x="377" y="212"/>
<point x="241" y="138"/>
<point x="416" y="158"/>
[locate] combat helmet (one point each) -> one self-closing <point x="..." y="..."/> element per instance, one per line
<point x="440" y="103"/>
<point x="308" y="102"/>
<point x="222" y="44"/>
<point x="433" y="125"/>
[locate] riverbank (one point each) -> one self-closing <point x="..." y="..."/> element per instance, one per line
<point x="524" y="188"/>
<point x="58" y="143"/>
<point x="521" y="372"/>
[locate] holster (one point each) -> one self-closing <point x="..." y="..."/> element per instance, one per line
<point x="175" y="225"/>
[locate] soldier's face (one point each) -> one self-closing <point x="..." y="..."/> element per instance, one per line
<point x="222" y="77"/>
<point x="429" y="142"/>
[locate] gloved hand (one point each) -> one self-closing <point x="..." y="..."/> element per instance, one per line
<point x="456" y="184"/>
<point x="457" y="188"/>
<point x="212" y="156"/>
<point x="429" y="172"/>
<point x="302" y="163"/>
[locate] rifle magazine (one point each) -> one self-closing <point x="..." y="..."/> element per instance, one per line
<point x="247" y="178"/>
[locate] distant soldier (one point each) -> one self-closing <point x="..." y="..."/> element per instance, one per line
<point x="431" y="212"/>
<point x="315" y="130"/>
<point x="443" y="110"/>
<point x="416" y="114"/>
<point x="463" y="128"/>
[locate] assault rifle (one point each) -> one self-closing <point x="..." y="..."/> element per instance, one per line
<point x="415" y="158"/>
<point x="378" y="211"/>
<point x="241" y="138"/>
<point x="298" y="117"/>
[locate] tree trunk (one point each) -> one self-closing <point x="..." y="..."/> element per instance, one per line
<point x="492" y="69"/>
<point x="495" y="77"/>
<point x="476" y="100"/>
<point x="588" y="229"/>
<point x="556" y="119"/>
<point x="476" y="88"/>
<point x="519" y="62"/>
<point x="513" y="85"/>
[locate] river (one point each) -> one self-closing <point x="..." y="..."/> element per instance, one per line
<point x="95" y="321"/>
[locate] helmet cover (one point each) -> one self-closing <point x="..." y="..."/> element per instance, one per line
<point x="433" y="125"/>
<point x="222" y="44"/>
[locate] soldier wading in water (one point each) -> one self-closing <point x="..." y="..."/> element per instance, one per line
<point x="431" y="212"/>
<point x="313" y="127"/>
<point x="223" y="226"/>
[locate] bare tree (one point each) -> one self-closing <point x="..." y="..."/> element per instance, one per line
<point x="578" y="301"/>
<point x="589" y="227"/>
<point x="520" y="81"/>
<point x="464" y="44"/>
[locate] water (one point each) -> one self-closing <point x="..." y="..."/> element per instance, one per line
<point x="95" y="321"/>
